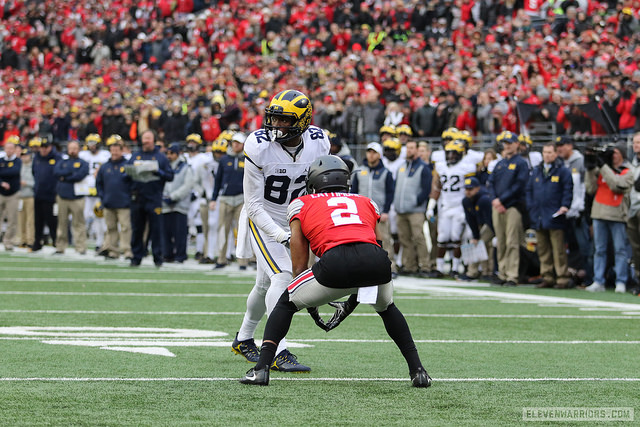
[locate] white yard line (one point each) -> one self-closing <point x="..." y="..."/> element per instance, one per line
<point x="109" y="280"/>
<point x="123" y="294"/>
<point x="298" y="378"/>
<point x="630" y="316"/>
<point x="533" y="298"/>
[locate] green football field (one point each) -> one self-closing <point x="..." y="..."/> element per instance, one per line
<point x="90" y="342"/>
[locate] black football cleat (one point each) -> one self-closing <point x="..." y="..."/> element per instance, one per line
<point x="246" y="349"/>
<point x="420" y="378"/>
<point x="256" y="377"/>
<point x="286" y="361"/>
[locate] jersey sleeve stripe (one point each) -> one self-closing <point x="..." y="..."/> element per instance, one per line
<point x="263" y="248"/>
<point x="246" y="156"/>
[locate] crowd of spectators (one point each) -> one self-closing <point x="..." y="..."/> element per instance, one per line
<point x="71" y="68"/>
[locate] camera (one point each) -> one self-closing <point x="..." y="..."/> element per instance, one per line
<point x="598" y="156"/>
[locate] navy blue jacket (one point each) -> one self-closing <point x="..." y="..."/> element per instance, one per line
<point x="477" y="211"/>
<point x="10" y="173"/>
<point x="68" y="172"/>
<point x="152" y="191"/>
<point x="545" y="195"/>
<point x="228" y="180"/>
<point x="508" y="181"/>
<point x="114" y="185"/>
<point x="377" y="173"/>
<point x="44" y="181"/>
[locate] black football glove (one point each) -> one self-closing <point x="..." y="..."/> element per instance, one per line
<point x="313" y="312"/>
<point x="343" y="310"/>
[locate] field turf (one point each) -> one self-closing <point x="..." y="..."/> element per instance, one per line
<point x="89" y="342"/>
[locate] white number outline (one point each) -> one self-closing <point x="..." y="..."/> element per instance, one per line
<point x="351" y="209"/>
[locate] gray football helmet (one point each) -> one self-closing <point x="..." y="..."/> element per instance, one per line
<point x="327" y="174"/>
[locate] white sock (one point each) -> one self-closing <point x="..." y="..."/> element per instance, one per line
<point x="256" y="308"/>
<point x="199" y="242"/>
<point x="455" y="264"/>
<point x="440" y="264"/>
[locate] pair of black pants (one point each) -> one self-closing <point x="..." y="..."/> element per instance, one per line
<point x="143" y="212"/>
<point x="43" y="215"/>
<point x="175" y="236"/>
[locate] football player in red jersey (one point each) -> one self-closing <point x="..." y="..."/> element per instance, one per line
<point x="340" y="229"/>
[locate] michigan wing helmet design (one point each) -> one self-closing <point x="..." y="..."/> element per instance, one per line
<point x="328" y="173"/>
<point x="292" y="104"/>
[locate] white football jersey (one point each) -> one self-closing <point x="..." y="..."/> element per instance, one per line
<point x="197" y="163"/>
<point x="452" y="182"/>
<point x="95" y="161"/>
<point x="472" y="156"/>
<point x="393" y="166"/>
<point x="207" y="172"/>
<point x="273" y="177"/>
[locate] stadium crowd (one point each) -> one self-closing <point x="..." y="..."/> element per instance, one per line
<point x="374" y="71"/>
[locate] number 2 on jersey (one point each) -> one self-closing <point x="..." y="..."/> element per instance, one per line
<point x="347" y="212"/>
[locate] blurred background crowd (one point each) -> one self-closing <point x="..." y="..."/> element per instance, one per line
<point x="71" y="68"/>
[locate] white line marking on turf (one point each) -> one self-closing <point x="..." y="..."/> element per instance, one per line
<point x="224" y="343"/>
<point x="104" y="280"/>
<point x="124" y="294"/>
<point x="211" y="379"/>
<point x="630" y="316"/>
<point x="426" y="286"/>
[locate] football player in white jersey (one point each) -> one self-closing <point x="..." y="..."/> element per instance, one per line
<point x="276" y="161"/>
<point x="533" y="158"/>
<point x="472" y="156"/>
<point x="210" y="216"/>
<point x="448" y="191"/>
<point x="438" y="156"/>
<point x="96" y="157"/>
<point x="196" y="159"/>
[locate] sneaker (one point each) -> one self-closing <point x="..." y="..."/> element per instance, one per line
<point x="198" y="256"/>
<point x="205" y="260"/>
<point x="219" y="266"/>
<point x="247" y="349"/>
<point x="621" y="288"/>
<point x="243" y="268"/>
<point x="256" y="377"/>
<point x="420" y="378"/>
<point x="436" y="274"/>
<point x="510" y="283"/>
<point x="595" y="287"/>
<point x="287" y="362"/>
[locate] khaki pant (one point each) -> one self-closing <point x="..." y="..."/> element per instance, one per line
<point x="75" y="208"/>
<point x="118" y="242"/>
<point x="26" y="224"/>
<point x="415" y="256"/>
<point x="383" y="230"/>
<point x="9" y="211"/>
<point x="228" y="215"/>
<point x="433" y="235"/>
<point x="553" y="255"/>
<point x="508" y="228"/>
<point x="204" y="216"/>
<point x="486" y="235"/>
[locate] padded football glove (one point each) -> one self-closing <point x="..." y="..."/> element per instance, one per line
<point x="343" y="310"/>
<point x="313" y="312"/>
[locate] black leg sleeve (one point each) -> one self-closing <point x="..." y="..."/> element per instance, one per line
<point x="398" y="330"/>
<point x="276" y="329"/>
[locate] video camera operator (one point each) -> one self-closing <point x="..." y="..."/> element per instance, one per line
<point x="609" y="178"/>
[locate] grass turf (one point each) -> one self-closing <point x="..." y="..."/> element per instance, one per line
<point x="65" y="384"/>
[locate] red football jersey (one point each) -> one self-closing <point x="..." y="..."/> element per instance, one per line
<point x="332" y="219"/>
